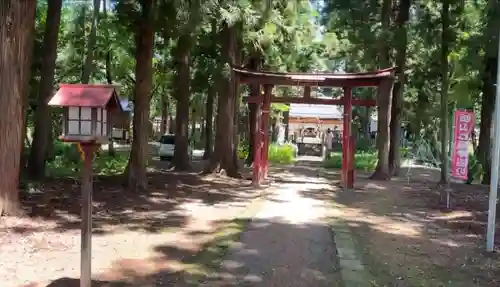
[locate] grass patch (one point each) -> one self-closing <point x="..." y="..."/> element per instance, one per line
<point x="365" y="161"/>
<point x="277" y="154"/>
<point x="281" y="154"/>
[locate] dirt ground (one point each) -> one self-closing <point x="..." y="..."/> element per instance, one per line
<point x="141" y="238"/>
<point x="405" y="235"/>
<point x="408" y="238"/>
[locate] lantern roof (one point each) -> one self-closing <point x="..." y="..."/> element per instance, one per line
<point x="86" y="95"/>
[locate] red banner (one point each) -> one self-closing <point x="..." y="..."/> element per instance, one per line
<point x="463" y="126"/>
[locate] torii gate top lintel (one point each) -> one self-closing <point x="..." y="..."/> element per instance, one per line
<point x="364" y="79"/>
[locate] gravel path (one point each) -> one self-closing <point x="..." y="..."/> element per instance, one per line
<point x="289" y="243"/>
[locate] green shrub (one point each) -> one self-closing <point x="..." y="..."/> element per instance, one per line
<point x="283" y="154"/>
<point x="365" y="144"/>
<point x="404" y="151"/>
<point x="65" y="151"/>
<point x="243" y="148"/>
<point x="365" y="161"/>
<point x="476" y="171"/>
<point x="104" y="164"/>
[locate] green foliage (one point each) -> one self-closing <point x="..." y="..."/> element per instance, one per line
<point x="278" y="154"/>
<point x="365" y="161"/>
<point x="364" y="144"/>
<point x="404" y="151"/>
<point x="476" y="171"/>
<point x="104" y="164"/>
<point x="282" y="154"/>
<point x="65" y="160"/>
<point x="64" y="151"/>
<point x="243" y="149"/>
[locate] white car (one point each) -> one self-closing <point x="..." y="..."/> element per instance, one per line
<point x="167" y="147"/>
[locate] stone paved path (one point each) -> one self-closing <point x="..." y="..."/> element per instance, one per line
<point x="289" y="243"/>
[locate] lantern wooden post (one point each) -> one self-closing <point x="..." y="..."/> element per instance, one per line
<point x="87" y="150"/>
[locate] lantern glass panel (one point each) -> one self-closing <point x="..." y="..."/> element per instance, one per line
<point x="73" y="127"/>
<point x="86" y="128"/>
<point x="73" y="113"/>
<point x="99" y="114"/>
<point x="86" y="113"/>
<point x="105" y="115"/>
<point x="98" y="129"/>
<point x="104" y="130"/>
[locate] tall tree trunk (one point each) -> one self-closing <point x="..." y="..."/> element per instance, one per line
<point x="209" y="122"/>
<point x="182" y="94"/>
<point x="43" y="115"/>
<point x="164" y="113"/>
<point x="17" y="20"/>
<point x="235" y="88"/>
<point x="367" y="119"/>
<point x="444" y="129"/>
<point x="286" y="121"/>
<point x="397" y="97"/>
<point x="88" y="65"/>
<point x="193" y="124"/>
<point x="487" y="108"/>
<point x="164" y="105"/>
<point x="109" y="79"/>
<point x="136" y="169"/>
<point x="223" y="157"/>
<point x="382" y="171"/>
<point x="254" y="64"/>
<point x="171" y="124"/>
<point x="384" y="99"/>
<point x="488" y="89"/>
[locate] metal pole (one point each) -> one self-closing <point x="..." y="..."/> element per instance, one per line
<point x="86" y="232"/>
<point x="495" y="164"/>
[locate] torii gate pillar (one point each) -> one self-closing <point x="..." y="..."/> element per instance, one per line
<point x="348" y="149"/>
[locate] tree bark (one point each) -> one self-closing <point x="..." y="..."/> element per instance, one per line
<point x="209" y="122"/>
<point x="444" y="129"/>
<point x="109" y="79"/>
<point x="488" y="77"/>
<point x="255" y="64"/>
<point x="17" y="19"/>
<point x="43" y="115"/>
<point x="182" y="94"/>
<point x="164" y="113"/>
<point x="193" y="124"/>
<point x="136" y="169"/>
<point x="88" y="65"/>
<point x="384" y="99"/>
<point x="286" y="121"/>
<point x="164" y="105"/>
<point x="397" y="98"/>
<point x="224" y="153"/>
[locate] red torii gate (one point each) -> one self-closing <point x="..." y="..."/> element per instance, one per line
<point x="347" y="81"/>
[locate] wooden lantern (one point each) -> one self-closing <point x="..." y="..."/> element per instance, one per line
<point x="88" y="109"/>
